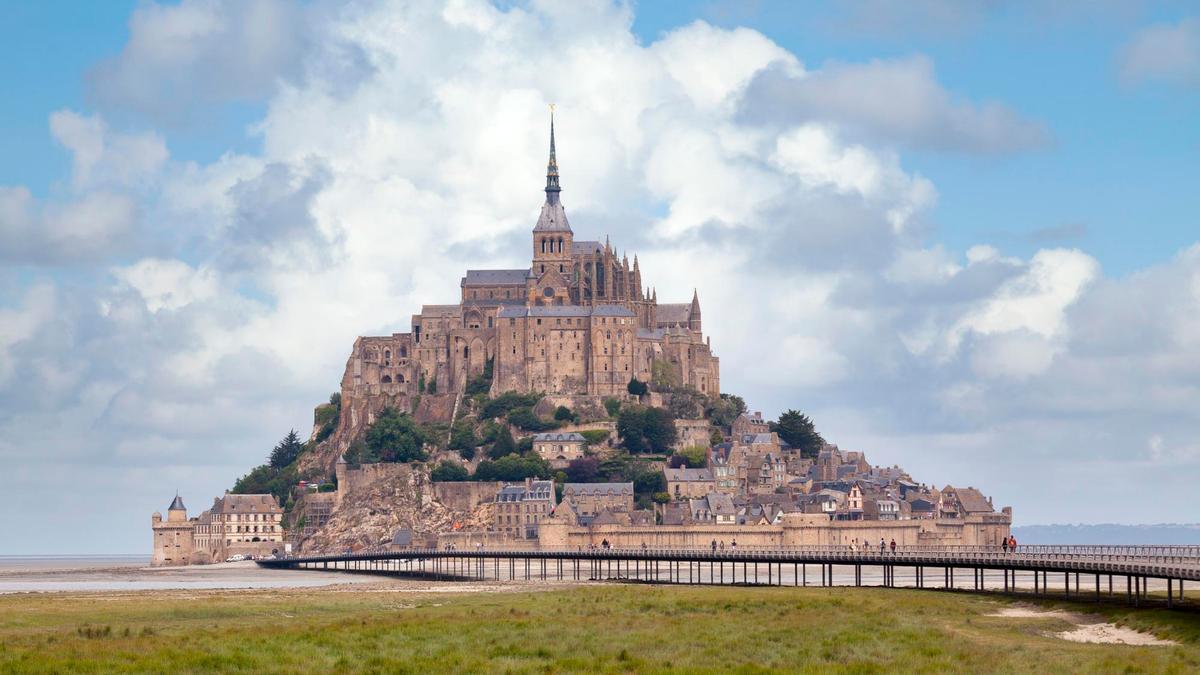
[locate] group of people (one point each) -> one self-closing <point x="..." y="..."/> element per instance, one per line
<point x="732" y="545"/>
<point x="1009" y="544"/>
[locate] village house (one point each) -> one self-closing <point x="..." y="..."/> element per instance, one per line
<point x="687" y="483"/>
<point x="589" y="499"/>
<point x="521" y="508"/>
<point x="559" y="449"/>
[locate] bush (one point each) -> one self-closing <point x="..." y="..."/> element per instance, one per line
<point x="449" y="472"/>
<point x="482" y="383"/>
<point x="613" y="406"/>
<point x="695" y="457"/>
<point x="463" y="439"/>
<point x="687" y="403"/>
<point x="512" y="468"/>
<point x="394" y="437"/>
<point x="504" y="444"/>
<point x="502" y="404"/>
<point x="583" y="470"/>
<point x="595" y="436"/>
<point x="563" y="414"/>
<point x="327" y="487"/>
<point x="723" y="410"/>
<point x="524" y="418"/>
<point x="636" y="387"/>
<point x="646" y="429"/>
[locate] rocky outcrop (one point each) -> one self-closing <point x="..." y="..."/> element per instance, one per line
<point x="378" y="499"/>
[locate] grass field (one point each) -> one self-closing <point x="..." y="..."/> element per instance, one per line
<point x="606" y="629"/>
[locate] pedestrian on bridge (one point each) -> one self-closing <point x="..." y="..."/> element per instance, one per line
<point x="1004" y="544"/>
<point x="714" y="545"/>
<point x="1012" y="543"/>
<point x="893" y="546"/>
<point x="882" y="546"/>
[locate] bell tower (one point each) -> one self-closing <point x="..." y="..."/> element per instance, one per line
<point x="552" y="263"/>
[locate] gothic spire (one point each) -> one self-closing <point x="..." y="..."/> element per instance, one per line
<point x="552" y="187"/>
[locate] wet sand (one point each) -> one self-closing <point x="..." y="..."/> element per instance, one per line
<point x="1088" y="628"/>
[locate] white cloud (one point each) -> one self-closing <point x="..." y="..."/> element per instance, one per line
<point x="1163" y="52"/>
<point x="808" y="240"/>
<point x="105" y="158"/>
<point x="895" y="101"/>
<point x="201" y="51"/>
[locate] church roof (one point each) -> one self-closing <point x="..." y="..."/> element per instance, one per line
<point x="552" y="219"/>
<point x="495" y="277"/>
<point x="563" y="310"/>
<point x="586" y="247"/>
<point x="674" y="312"/>
<point x="177" y="505"/>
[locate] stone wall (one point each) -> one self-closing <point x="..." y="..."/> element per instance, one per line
<point x="466" y="495"/>
<point x="796" y="530"/>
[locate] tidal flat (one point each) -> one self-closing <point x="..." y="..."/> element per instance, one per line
<point x="580" y="628"/>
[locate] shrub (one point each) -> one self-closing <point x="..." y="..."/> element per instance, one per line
<point x="504" y="444"/>
<point x="646" y="429"/>
<point x="447" y="471"/>
<point x="524" y="418"/>
<point x="613" y="406"/>
<point x="502" y="404"/>
<point x="595" y="436"/>
<point x="394" y="437"/>
<point x="636" y="387"/>
<point x="563" y="414"/>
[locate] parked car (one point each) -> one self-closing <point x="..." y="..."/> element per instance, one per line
<point x="235" y="558"/>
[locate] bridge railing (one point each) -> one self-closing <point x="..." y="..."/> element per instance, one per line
<point x="1188" y="556"/>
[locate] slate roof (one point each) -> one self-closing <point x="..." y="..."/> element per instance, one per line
<point x="675" y="312"/>
<point x="495" y="277"/>
<point x="586" y="247"/>
<point x="242" y="503"/>
<point x="512" y="312"/>
<point x="565" y="437"/>
<point x="688" y="475"/>
<point x="720" y="504"/>
<point x="553" y="218"/>
<point x="579" y="489"/>
<point x="646" y="334"/>
<point x="177" y="505"/>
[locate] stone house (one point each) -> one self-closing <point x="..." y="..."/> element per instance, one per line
<point x="687" y="483"/>
<point x="559" y="449"/>
<point x="749" y="423"/>
<point x="521" y="508"/>
<point x="173" y="537"/>
<point x="589" y="499"/>
<point x="245" y="524"/>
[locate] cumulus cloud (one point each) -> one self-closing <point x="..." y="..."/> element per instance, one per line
<point x="202" y="51"/>
<point x="823" y="285"/>
<point x="895" y="101"/>
<point x="1163" y="52"/>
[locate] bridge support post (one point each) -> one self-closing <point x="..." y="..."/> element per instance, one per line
<point x="1067" y="583"/>
<point x="1097" y="587"/>
<point x="1170" y="601"/>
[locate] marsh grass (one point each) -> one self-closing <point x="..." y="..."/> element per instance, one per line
<point x="593" y="628"/>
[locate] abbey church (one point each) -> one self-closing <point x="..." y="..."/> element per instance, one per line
<point x="577" y="321"/>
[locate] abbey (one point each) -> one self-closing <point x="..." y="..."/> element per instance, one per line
<point x="577" y="321"/>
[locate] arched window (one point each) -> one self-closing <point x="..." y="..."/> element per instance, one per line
<point x="386" y="379"/>
<point x="404" y="352"/>
<point x="543" y="246"/>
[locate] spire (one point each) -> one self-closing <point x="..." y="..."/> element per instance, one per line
<point x="177" y="505"/>
<point x="635" y="264"/>
<point x="695" y="302"/>
<point x="552" y="187"/>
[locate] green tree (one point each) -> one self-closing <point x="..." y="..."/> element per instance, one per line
<point x="687" y="403"/>
<point x="524" y="418"/>
<point x="448" y="471"/>
<point x="797" y="430"/>
<point x="287" y="450"/>
<point x="658" y="427"/>
<point x="636" y="387"/>
<point x="563" y="414"/>
<point x="612" y="406"/>
<point x="504" y="444"/>
<point x="394" y="437"/>
<point x="462" y="439"/>
<point x="631" y="424"/>
<point x="723" y="410"/>
<point x="695" y="457"/>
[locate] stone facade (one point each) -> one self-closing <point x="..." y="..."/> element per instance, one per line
<point x="520" y="509"/>
<point x="589" y="499"/>
<point x="578" y="320"/>
<point x="173" y="540"/>
<point x="559" y="448"/>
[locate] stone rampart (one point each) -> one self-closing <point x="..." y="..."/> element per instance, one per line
<point x="466" y="495"/>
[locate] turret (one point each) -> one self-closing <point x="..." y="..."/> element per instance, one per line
<point x="177" y="512"/>
<point x="694" y="312"/>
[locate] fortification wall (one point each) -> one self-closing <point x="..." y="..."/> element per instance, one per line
<point x="465" y="496"/>
<point x="796" y="530"/>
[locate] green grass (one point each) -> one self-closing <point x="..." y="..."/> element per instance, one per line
<point x="605" y="629"/>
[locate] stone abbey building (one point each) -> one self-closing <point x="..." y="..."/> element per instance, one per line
<point x="577" y="321"/>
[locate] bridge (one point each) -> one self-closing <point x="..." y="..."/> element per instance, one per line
<point x="1073" y="572"/>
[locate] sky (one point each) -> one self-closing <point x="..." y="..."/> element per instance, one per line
<point x="962" y="236"/>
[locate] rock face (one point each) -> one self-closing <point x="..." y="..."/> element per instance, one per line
<point x="377" y="499"/>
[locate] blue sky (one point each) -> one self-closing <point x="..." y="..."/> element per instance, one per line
<point x="1120" y="154"/>
<point x="962" y="234"/>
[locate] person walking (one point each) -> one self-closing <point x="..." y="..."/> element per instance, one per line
<point x="882" y="546"/>
<point x="733" y="544"/>
<point x="714" y="545"/>
<point x="1012" y="544"/>
<point x="893" y="546"/>
<point x="1004" y="545"/>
